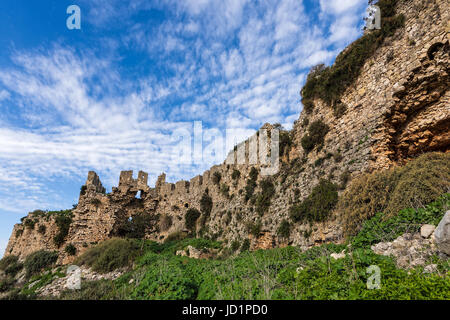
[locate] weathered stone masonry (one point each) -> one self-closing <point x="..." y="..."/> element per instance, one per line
<point x="397" y="108"/>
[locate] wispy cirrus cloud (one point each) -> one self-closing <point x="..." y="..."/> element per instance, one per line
<point x="230" y="64"/>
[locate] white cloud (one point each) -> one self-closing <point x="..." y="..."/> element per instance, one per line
<point x="230" y="64"/>
<point x="4" y="95"/>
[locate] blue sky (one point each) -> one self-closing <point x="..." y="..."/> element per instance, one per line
<point x="114" y="95"/>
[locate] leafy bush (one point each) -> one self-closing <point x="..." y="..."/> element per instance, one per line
<point x="414" y="185"/>
<point x="285" y="142"/>
<point x="191" y="219"/>
<point x="216" y="177"/>
<point x="377" y="229"/>
<point x="5" y="262"/>
<point x="284" y="230"/>
<point x="19" y="232"/>
<point x="63" y="220"/>
<point x="235" y="245"/>
<point x="83" y="190"/>
<point x="136" y="226"/>
<point x="175" y="236"/>
<point x="39" y="260"/>
<point x="42" y="229"/>
<point x="254" y="228"/>
<point x="251" y="183"/>
<point x="329" y="83"/>
<point x="224" y="190"/>
<point x="11" y="265"/>
<point x="6" y="284"/>
<point x="70" y="249"/>
<point x="245" y="245"/>
<point x="318" y="205"/>
<point x="29" y="223"/>
<point x="93" y="290"/>
<point x="253" y="174"/>
<point x="263" y="198"/>
<point x="308" y="105"/>
<point x="158" y="284"/>
<point x="206" y="204"/>
<point x="110" y="255"/>
<point x="236" y="174"/>
<point x="315" y="136"/>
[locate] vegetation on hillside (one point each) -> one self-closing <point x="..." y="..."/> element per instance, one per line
<point x="414" y="185"/>
<point x="286" y="273"/>
<point x="329" y="83"/>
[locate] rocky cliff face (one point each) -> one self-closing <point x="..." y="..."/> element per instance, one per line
<point x="397" y="108"/>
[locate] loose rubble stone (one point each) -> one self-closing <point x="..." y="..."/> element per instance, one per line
<point x="427" y="230"/>
<point x="442" y="234"/>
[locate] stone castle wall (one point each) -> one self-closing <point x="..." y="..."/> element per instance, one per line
<point x="396" y="109"/>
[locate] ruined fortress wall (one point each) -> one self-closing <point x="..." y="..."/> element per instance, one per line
<point x="398" y="107"/>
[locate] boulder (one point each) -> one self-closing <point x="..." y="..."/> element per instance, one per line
<point x="442" y="234"/>
<point x="427" y="230"/>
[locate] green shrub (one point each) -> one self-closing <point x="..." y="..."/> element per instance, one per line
<point x="224" y="190"/>
<point x="285" y="142"/>
<point x="284" y="230"/>
<point x="251" y="184"/>
<point x="11" y="265"/>
<point x="318" y="205"/>
<point x="236" y="174"/>
<point x="137" y="225"/>
<point x="175" y="236"/>
<point x="191" y="219"/>
<point x="264" y="197"/>
<point x="29" y="223"/>
<point x="5" y="262"/>
<point x="93" y="290"/>
<point x="315" y="136"/>
<point x="110" y="255"/>
<point x="216" y="177"/>
<point x="19" y="232"/>
<point x="70" y="250"/>
<point x="414" y="185"/>
<point x="378" y="229"/>
<point x="329" y="83"/>
<point x="6" y="284"/>
<point x="308" y="105"/>
<point x="42" y="229"/>
<point x="158" y="284"/>
<point x="235" y="245"/>
<point x="253" y="174"/>
<point x="206" y="204"/>
<point x="63" y="220"/>
<point x="254" y="228"/>
<point x="39" y="260"/>
<point x="245" y="245"/>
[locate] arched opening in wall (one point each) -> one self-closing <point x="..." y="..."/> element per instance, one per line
<point x="435" y="48"/>
<point x="418" y="122"/>
<point x="139" y="194"/>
